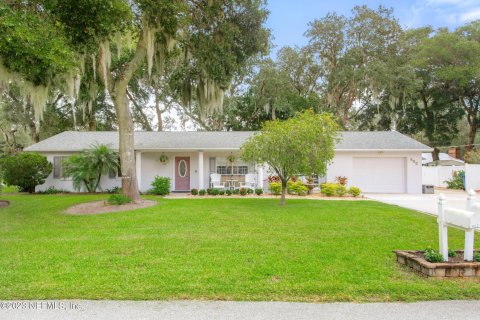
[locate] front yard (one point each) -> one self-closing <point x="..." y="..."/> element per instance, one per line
<point x="235" y="249"/>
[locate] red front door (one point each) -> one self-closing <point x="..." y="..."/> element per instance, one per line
<point x="182" y="173"/>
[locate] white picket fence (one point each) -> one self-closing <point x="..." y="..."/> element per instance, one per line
<point x="437" y="176"/>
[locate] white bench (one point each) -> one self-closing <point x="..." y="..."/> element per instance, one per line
<point x="467" y="220"/>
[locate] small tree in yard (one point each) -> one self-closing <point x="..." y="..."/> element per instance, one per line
<point x="25" y="170"/>
<point x="303" y="144"/>
<point x="86" y="168"/>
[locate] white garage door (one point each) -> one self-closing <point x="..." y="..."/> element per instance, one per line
<point x="379" y="175"/>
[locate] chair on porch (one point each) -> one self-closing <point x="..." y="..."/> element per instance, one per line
<point x="215" y="181"/>
<point x="250" y="181"/>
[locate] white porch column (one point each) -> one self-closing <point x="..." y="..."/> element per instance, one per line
<point x="259" y="176"/>
<point x="138" y="168"/>
<point x="200" y="171"/>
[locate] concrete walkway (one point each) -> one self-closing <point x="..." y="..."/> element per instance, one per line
<point x="198" y="310"/>
<point x="423" y="202"/>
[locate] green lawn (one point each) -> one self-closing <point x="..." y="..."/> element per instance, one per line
<point x="235" y="249"/>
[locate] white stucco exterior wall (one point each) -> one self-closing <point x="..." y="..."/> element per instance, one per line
<point x="66" y="184"/>
<point x="343" y="163"/>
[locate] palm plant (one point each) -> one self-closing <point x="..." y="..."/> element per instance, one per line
<point x="86" y="168"/>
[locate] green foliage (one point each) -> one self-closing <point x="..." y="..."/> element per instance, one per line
<point x="228" y="192"/>
<point x="476" y="257"/>
<point x="354" y="191"/>
<point x="214" y="192"/>
<point x="275" y="187"/>
<point x="118" y="199"/>
<point x="310" y="137"/>
<point x="341" y="190"/>
<point x="433" y="255"/>
<point x="25" y="170"/>
<point x="329" y="189"/>
<point x="236" y="191"/>
<point x="32" y="45"/>
<point x="201" y="192"/>
<point x="243" y="191"/>
<point x="258" y="191"/>
<point x="456" y="182"/>
<point x="452" y="253"/>
<point x="194" y="192"/>
<point x="114" y="190"/>
<point x="472" y="156"/>
<point x="160" y="186"/>
<point x="297" y="188"/>
<point x="86" y="168"/>
<point x="221" y="192"/>
<point x="10" y="189"/>
<point x="52" y="190"/>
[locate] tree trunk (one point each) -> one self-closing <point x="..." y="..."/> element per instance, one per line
<point x="126" y="144"/>
<point x="472" y="132"/>
<point x="91" y="119"/>
<point x="284" y="191"/>
<point x="435" y="153"/>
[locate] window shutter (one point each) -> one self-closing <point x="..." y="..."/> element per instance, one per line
<point x="213" y="164"/>
<point x="57" y="167"/>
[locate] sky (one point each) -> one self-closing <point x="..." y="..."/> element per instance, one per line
<point x="289" y="19"/>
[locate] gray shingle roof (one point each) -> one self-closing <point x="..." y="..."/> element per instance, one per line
<point x="72" y="141"/>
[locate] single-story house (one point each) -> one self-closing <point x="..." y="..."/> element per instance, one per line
<point x="377" y="162"/>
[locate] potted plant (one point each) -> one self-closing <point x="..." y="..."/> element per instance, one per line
<point x="231" y="158"/>
<point x="163" y="159"/>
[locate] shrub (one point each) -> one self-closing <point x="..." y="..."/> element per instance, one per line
<point x="52" y="190"/>
<point x="114" y="190"/>
<point x="341" y="180"/>
<point x="259" y="191"/>
<point x="243" y="191"/>
<point x="209" y="191"/>
<point x="249" y="191"/>
<point x="341" y="190"/>
<point x="221" y="192"/>
<point x="160" y="186"/>
<point x="228" y="192"/>
<point x="236" y="191"/>
<point x="10" y="189"/>
<point x="86" y="168"/>
<point x="194" y="192"/>
<point x="297" y="188"/>
<point x="275" y="187"/>
<point x="329" y="189"/>
<point x="433" y="255"/>
<point x="201" y="192"/>
<point x="476" y="257"/>
<point x="452" y="253"/>
<point x="25" y="170"/>
<point x="456" y="182"/>
<point x="118" y="199"/>
<point x="354" y="191"/>
<point x="214" y="192"/>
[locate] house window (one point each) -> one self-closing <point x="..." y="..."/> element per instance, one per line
<point x="232" y="169"/>
<point x="58" y="167"/>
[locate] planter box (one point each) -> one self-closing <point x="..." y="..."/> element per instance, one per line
<point x="455" y="268"/>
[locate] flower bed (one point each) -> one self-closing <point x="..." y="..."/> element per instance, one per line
<point x="455" y="266"/>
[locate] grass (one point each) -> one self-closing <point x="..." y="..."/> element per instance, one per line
<point x="235" y="249"/>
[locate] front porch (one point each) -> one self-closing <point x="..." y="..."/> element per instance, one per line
<point x="197" y="169"/>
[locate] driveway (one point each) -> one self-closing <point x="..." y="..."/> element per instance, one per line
<point x="423" y="202"/>
<point x="227" y="310"/>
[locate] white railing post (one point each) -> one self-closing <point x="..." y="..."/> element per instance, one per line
<point x="469" y="233"/>
<point x="471" y="199"/>
<point x="442" y="227"/>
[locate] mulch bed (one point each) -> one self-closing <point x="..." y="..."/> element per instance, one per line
<point x="98" y="207"/>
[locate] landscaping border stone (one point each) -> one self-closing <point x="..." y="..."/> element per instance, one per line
<point x="414" y="259"/>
